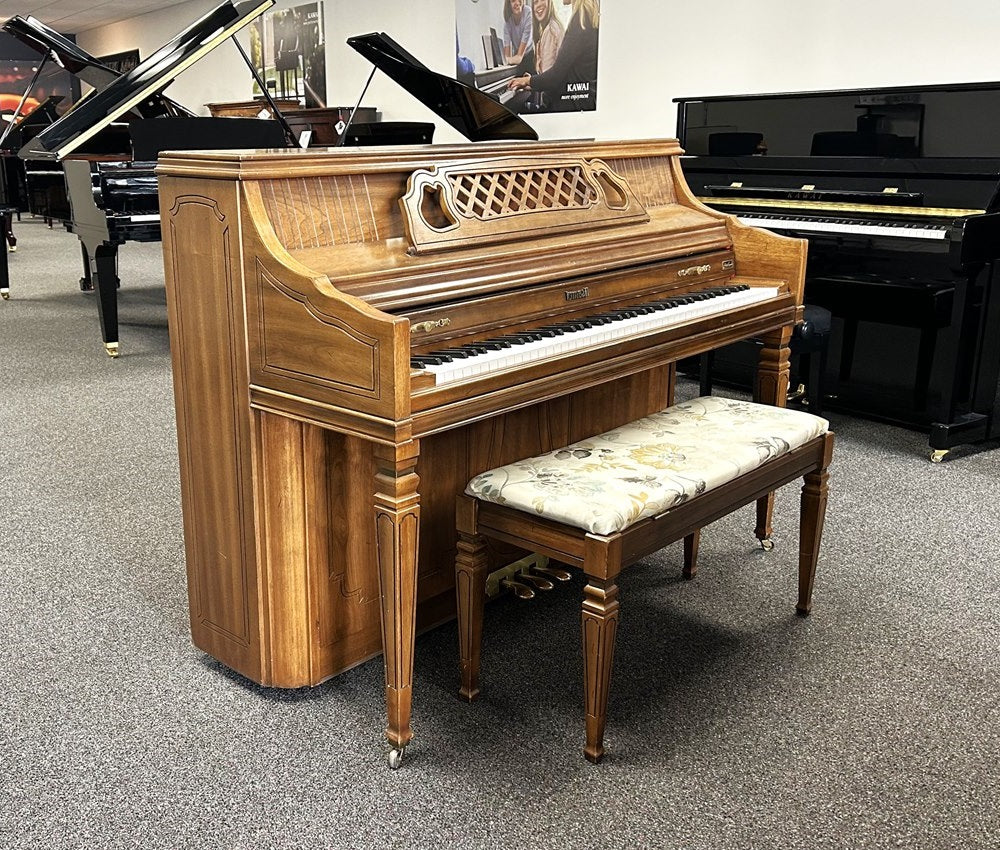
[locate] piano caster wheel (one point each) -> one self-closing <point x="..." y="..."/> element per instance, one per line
<point x="396" y="757"/>
<point x="767" y="544"/>
<point x="111" y="348"/>
<point x="5" y="294"/>
<point x="86" y="285"/>
<point x="12" y="248"/>
<point x="938" y="455"/>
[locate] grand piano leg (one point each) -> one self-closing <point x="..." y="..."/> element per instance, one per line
<point x="397" y="523"/>
<point x="772" y="388"/>
<point x="4" y="276"/>
<point x="105" y="274"/>
<point x="8" y="229"/>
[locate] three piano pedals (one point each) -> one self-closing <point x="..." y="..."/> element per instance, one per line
<point x="525" y="577"/>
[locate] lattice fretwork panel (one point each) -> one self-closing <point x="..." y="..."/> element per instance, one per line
<point x="489" y="195"/>
<point x="506" y="199"/>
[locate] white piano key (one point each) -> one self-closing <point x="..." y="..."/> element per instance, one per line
<point x="571" y="341"/>
<point x="856" y="227"/>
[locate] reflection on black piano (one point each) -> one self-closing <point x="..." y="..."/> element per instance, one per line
<point x="896" y="191"/>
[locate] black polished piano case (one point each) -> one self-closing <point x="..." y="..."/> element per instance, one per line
<point x="896" y="190"/>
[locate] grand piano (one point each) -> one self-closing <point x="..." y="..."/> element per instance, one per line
<point x="14" y="188"/>
<point x="356" y="332"/>
<point x="896" y="190"/>
<point x="108" y="142"/>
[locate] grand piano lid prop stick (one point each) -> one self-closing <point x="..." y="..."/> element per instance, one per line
<point x="71" y="132"/>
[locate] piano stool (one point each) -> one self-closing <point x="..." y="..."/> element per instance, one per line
<point x="605" y="503"/>
<point x="809" y="345"/>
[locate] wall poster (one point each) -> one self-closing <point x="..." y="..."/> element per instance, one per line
<point x="287" y="48"/>
<point x="533" y="56"/>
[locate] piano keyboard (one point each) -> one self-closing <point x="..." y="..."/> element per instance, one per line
<point x="517" y="349"/>
<point x="848" y="226"/>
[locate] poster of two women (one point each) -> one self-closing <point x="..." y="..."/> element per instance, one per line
<point x="534" y="56"/>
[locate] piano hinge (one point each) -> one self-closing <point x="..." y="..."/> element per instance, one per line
<point x="736" y="185"/>
<point x="808" y="187"/>
<point x="890" y="190"/>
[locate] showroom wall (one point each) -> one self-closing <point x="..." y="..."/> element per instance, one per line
<point x="650" y="52"/>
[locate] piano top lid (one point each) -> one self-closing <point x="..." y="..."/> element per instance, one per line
<point x="149" y="77"/>
<point x="475" y="115"/>
<point x="53" y="45"/>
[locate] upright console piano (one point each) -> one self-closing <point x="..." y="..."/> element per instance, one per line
<point x="896" y="190"/>
<point x="356" y="332"/>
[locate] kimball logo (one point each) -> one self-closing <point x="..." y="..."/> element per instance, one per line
<point x="577" y="87"/>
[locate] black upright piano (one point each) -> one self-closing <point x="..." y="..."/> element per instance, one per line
<point x="108" y="143"/>
<point x="896" y="190"/>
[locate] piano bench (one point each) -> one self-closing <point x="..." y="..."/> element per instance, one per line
<point x="604" y="503"/>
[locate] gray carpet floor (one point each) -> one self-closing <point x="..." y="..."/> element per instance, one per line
<point x="874" y="723"/>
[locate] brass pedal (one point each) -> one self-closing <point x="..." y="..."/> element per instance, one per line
<point x="520" y="590"/>
<point x="538" y="582"/>
<point x="558" y="573"/>
<point x="799" y="393"/>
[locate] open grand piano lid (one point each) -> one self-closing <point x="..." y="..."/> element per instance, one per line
<point x="154" y="73"/>
<point x="47" y="42"/>
<point x="475" y="115"/>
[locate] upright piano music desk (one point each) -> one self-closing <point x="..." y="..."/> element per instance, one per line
<point x="323" y="433"/>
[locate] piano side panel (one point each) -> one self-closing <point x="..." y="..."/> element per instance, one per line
<point x="759" y="253"/>
<point x="307" y="340"/>
<point x="201" y="244"/>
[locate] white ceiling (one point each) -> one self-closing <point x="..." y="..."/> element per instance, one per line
<point x="74" y="16"/>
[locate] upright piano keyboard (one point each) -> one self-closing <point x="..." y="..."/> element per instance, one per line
<point x="357" y="332"/>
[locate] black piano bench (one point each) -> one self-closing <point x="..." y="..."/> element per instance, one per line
<point x="604" y="503"/>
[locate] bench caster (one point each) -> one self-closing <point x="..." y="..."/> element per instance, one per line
<point x="396" y="757"/>
<point x="767" y="544"/>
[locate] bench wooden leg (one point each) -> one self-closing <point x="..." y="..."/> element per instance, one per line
<point x="811" y="516"/>
<point x="471" y="569"/>
<point x="691" y="554"/>
<point x="600" y="627"/>
<point x="771" y="388"/>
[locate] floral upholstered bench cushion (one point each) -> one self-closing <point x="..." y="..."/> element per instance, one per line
<point x="606" y="483"/>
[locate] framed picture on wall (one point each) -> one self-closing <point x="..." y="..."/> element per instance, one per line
<point x="531" y="55"/>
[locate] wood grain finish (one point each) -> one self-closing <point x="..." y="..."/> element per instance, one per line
<point x="603" y="557"/>
<point x="319" y="470"/>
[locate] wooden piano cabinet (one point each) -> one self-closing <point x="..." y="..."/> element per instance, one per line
<point x="318" y="468"/>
